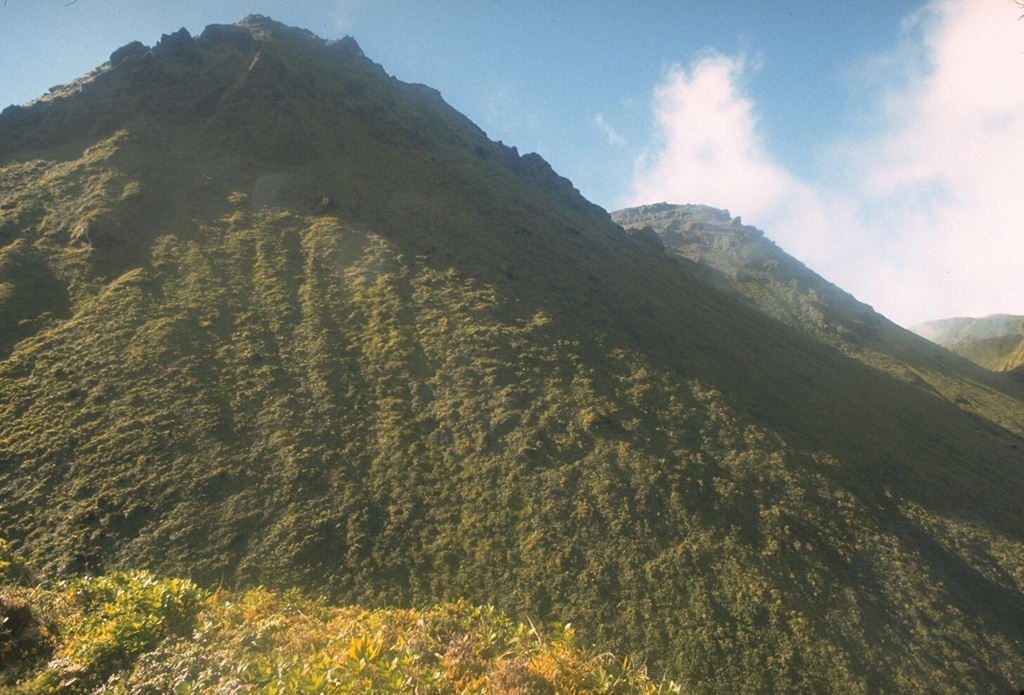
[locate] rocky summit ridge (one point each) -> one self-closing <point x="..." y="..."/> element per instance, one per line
<point x="272" y="317"/>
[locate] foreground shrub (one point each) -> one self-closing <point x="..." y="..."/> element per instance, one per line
<point x="133" y="634"/>
<point x="106" y="623"/>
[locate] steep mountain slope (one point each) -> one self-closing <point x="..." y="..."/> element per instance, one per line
<point x="739" y="258"/>
<point x="995" y="342"/>
<point x="278" y="318"/>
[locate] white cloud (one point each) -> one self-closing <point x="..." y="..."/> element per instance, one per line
<point x="614" y="138"/>
<point x="928" y="219"/>
<point x="950" y="161"/>
<point x="709" y="151"/>
<point x="708" y="148"/>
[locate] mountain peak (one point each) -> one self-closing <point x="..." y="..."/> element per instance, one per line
<point x="258" y="28"/>
<point x="272" y="94"/>
<point x="263" y="28"/>
<point x="689" y="211"/>
<point x="186" y="78"/>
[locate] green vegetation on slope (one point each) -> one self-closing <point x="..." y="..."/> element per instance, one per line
<point x="407" y="366"/>
<point x="129" y="633"/>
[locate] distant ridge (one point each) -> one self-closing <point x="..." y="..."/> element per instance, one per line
<point x="739" y="258"/>
<point x="269" y="316"/>
<point x="995" y="342"/>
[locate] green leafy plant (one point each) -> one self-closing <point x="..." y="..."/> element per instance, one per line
<point x="132" y="634"/>
<point x="112" y="620"/>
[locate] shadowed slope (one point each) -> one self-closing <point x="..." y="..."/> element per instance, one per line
<point x="307" y="326"/>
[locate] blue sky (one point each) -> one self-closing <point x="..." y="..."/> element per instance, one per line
<point x="879" y="141"/>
